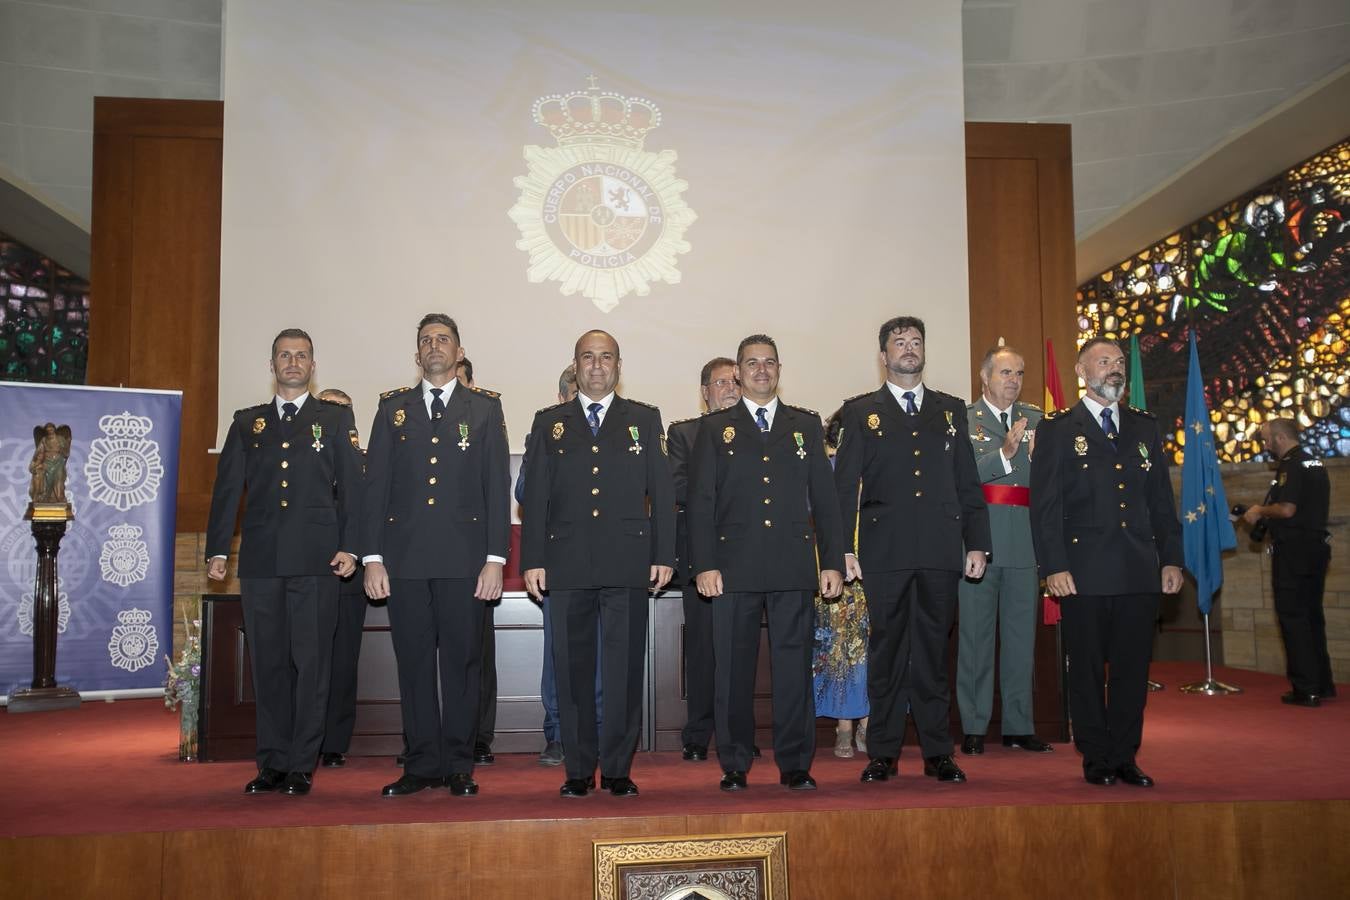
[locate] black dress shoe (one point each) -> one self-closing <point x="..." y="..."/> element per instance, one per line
<point x="879" y="769"/>
<point x="799" y="780"/>
<point x="267" y="780"/>
<point x="461" y="785"/>
<point x="409" y="784"/>
<point x="943" y="768"/>
<point x="754" y="751"/>
<point x="1294" y="698"/>
<point x="297" y="784"/>
<point x="482" y="754"/>
<point x="973" y="745"/>
<point x="619" y="786"/>
<point x="1132" y="774"/>
<point x="1027" y="742"/>
<point x="577" y="787"/>
<point x="734" y="781"/>
<point x="1099" y="776"/>
<point x="695" y="752"/>
<point x="333" y="760"/>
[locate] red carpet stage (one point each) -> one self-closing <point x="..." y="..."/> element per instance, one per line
<point x="1251" y="800"/>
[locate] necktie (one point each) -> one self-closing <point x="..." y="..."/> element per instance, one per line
<point x="594" y="417"/>
<point x="289" y="410"/>
<point x="910" y="406"/>
<point x="1003" y="417"/>
<point x="1109" y="425"/>
<point x="762" y="420"/>
<point x="437" y="404"/>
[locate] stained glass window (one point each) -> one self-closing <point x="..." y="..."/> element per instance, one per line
<point x="44" y="318"/>
<point x="1265" y="281"/>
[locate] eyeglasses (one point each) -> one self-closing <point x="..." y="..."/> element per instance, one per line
<point x="722" y="383"/>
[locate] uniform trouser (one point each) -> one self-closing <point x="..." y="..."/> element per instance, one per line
<point x="698" y="667"/>
<point x="437" y="623"/>
<point x="288" y="623"/>
<point x="910" y="615"/>
<point x="487" y="688"/>
<point x="621" y="614"/>
<point x="1303" y="625"/>
<point x="736" y="633"/>
<point x="548" y="681"/>
<point x="351" y="619"/>
<point x="1117" y="630"/>
<point x="1004" y="598"/>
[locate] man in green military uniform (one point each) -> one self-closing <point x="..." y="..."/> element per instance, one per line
<point x="1002" y="434"/>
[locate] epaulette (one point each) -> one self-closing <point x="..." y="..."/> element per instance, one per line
<point x="486" y="393"/>
<point x="802" y="409"/>
<point x="724" y="410"/>
<point x="1030" y="405"/>
<point x="553" y="407"/>
<point x="640" y="403"/>
<point x="858" y="397"/>
<point x="936" y="393"/>
<point x="670" y="425"/>
<point x="1056" y="413"/>
<point x="395" y="392"/>
<point x="1143" y="412"/>
<point x="250" y="409"/>
<point x="330" y="402"/>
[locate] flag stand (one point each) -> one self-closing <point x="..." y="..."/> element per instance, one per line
<point x="1209" y="687"/>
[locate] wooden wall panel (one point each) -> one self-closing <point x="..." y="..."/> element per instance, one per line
<point x="1019" y="213"/>
<point x="155" y="278"/>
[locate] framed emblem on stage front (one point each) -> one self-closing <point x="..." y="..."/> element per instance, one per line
<point x="721" y="867"/>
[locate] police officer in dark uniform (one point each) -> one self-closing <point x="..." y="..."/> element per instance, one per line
<point x="300" y="533"/>
<point x="717" y="383"/>
<point x="910" y="492"/>
<point x="1295" y="511"/>
<point x="761" y="504"/>
<point x="1104" y="523"/>
<point x="598" y="532"/>
<point x="436" y="534"/>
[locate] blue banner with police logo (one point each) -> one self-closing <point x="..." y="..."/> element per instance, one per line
<point x="115" y="566"/>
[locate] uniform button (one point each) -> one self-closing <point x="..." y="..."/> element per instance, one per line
<point x="1121" y="486"/>
<point x="284" y="503"/>
<point x="433" y="460"/>
<point x="1075" y="540"/>
<point x="285" y="483"/>
<point x="917" y="473"/>
<point x="768" y="523"/>
<point x="431" y="480"/>
<point x="391" y="518"/>
<point x="431" y="501"/>
<point x="285" y="464"/>
<point x="722" y="537"/>
<point x="594" y="491"/>
<point x="914" y="434"/>
<point x="594" y="449"/>
<point x="1119" y="466"/>
<point x="766" y="479"/>
<point x="766" y="459"/>
<point x="595" y="470"/>
<point x="767" y="501"/>
<point x="918" y="493"/>
<point x="1122" y="524"/>
<point x="285" y="445"/>
<point x="595" y="513"/>
<point x="1122" y="506"/>
<point x="917" y="452"/>
<point x="435" y="440"/>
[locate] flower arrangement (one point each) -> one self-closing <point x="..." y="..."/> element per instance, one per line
<point x="183" y="687"/>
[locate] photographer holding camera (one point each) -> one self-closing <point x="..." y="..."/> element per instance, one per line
<point x="1295" y="511"/>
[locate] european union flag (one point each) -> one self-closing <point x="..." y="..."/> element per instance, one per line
<point x="1205" y="528"/>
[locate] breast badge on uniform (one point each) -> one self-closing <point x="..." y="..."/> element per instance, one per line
<point x="637" y="444"/>
<point x="801" y="444"/>
<point x="557" y="431"/>
<point x="355" y="439"/>
<point x="259" y="424"/>
<point x="1080" y="445"/>
<point x="951" y="425"/>
<point x="874" y="421"/>
<point x="1146" y="464"/>
<point x="978" y="434"/>
<point x="400" y="416"/>
<point x="463" y="436"/>
<point x="664" y="451"/>
<point x="728" y="434"/>
<point x="317" y="431"/>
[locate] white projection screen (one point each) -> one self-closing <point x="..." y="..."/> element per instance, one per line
<point x="680" y="174"/>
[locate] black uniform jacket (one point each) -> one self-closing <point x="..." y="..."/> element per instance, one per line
<point x="304" y="490"/>
<point x="599" y="510"/>
<point x="908" y="485"/>
<point x="1103" y="513"/>
<point x="438" y="494"/>
<point x="681" y="436"/>
<point x="753" y="500"/>
<point x="1301" y="541"/>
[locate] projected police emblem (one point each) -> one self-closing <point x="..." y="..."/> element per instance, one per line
<point x="598" y="214"/>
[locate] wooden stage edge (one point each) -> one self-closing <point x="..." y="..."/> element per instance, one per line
<point x="1182" y="850"/>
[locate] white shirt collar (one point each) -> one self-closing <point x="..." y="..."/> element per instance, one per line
<point x="770" y="408"/>
<point x="1096" y="409"/>
<point x="604" y="402"/>
<point x="298" y="401"/>
<point x="899" y="393"/>
<point x="998" y="412"/>
<point x="446" y="392"/>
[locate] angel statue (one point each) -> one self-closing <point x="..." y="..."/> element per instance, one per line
<point x="48" y="468"/>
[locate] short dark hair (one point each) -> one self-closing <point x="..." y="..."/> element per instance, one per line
<point x="705" y="376"/>
<point x="438" y="319"/>
<point x="987" y="364"/>
<point x="467" y="367"/>
<point x="299" y="333"/>
<point x="899" y="323"/>
<point x="833" y="427"/>
<point x="1093" y="342"/>
<point x="755" y="339"/>
<point x="567" y="379"/>
<point x="1285" y="426"/>
<point x="337" y="395"/>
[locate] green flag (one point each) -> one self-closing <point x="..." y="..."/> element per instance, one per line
<point x="1136" y="375"/>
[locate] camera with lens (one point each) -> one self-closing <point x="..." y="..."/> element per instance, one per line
<point x="1258" y="530"/>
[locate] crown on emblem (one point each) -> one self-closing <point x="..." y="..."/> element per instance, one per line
<point x="124" y="532"/>
<point x="597" y="117"/>
<point x="134" y="617"/>
<point x="125" y="426"/>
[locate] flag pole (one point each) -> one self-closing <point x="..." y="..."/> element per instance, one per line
<point x="1209" y="687"/>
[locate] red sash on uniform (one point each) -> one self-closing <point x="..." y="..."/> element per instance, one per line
<point x="1007" y="494"/>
